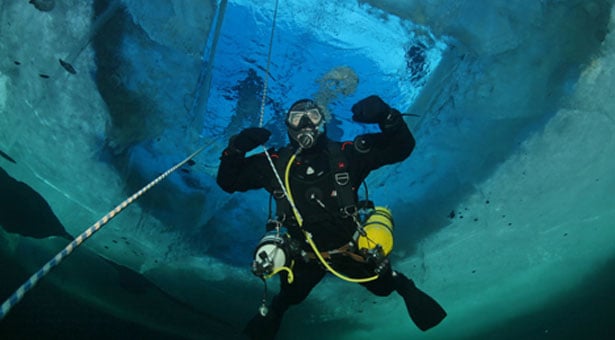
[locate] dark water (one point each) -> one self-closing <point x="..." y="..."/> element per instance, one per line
<point x="587" y="312"/>
<point x="48" y="313"/>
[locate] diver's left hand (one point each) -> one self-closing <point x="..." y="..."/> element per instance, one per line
<point x="370" y="110"/>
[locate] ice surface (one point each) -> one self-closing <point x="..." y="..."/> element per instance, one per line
<point x="505" y="206"/>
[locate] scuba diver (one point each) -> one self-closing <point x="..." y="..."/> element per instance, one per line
<point x="315" y="189"/>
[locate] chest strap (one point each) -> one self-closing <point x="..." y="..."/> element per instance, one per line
<point x="341" y="180"/>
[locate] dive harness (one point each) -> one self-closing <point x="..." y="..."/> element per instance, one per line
<point x="371" y="243"/>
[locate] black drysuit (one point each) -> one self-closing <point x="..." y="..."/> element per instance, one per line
<point x="315" y="196"/>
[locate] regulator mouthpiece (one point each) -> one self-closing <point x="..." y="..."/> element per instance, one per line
<point x="306" y="140"/>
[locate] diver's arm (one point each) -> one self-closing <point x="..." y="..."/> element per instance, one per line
<point x="395" y="141"/>
<point x="240" y="173"/>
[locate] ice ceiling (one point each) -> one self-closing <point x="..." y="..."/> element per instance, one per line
<point x="505" y="206"/>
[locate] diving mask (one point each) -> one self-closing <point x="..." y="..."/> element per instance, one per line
<point x="295" y="118"/>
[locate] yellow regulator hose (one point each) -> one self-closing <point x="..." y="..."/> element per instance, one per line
<point x="308" y="236"/>
<point x="291" y="276"/>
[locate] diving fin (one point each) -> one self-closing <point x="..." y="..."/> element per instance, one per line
<point x="424" y="311"/>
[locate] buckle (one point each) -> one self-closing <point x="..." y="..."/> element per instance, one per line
<point x="349" y="210"/>
<point x="273" y="224"/>
<point x="342" y="178"/>
<point x="278" y="194"/>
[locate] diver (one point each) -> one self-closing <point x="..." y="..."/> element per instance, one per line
<point x="320" y="205"/>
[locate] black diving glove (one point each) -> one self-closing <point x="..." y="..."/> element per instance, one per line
<point x="249" y="139"/>
<point x="374" y="110"/>
<point x="370" y="110"/>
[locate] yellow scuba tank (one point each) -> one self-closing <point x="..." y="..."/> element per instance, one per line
<point x="378" y="231"/>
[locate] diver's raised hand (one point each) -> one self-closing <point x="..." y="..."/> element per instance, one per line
<point x="370" y="110"/>
<point x="249" y="139"/>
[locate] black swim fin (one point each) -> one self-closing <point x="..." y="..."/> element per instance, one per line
<point x="424" y="311"/>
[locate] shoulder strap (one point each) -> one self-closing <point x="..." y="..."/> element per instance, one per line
<point x="341" y="179"/>
<point x="283" y="208"/>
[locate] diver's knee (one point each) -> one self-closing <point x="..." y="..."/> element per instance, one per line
<point x="382" y="292"/>
<point x="284" y="300"/>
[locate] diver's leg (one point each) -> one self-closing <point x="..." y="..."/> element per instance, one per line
<point x="306" y="277"/>
<point x="424" y="311"/>
<point x="384" y="285"/>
